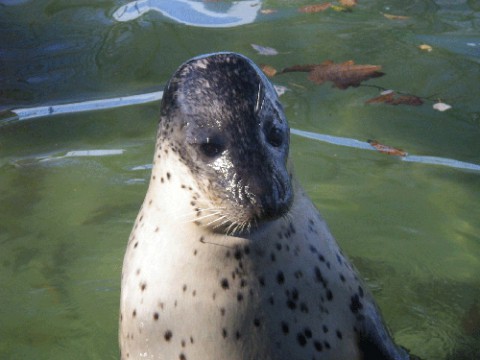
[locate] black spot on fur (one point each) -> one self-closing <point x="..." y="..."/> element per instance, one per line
<point x="319" y="277"/>
<point x="238" y="254"/>
<point x="168" y="335"/>
<point x="285" y="328"/>
<point x="224" y="284"/>
<point x="280" y="278"/>
<point x="355" y="304"/>
<point x="301" y="339"/>
<point x="294" y="294"/>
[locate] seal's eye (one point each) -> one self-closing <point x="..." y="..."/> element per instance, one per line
<point x="274" y="136"/>
<point x="211" y="149"/>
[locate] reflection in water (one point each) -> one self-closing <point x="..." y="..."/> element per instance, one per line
<point x="194" y="13"/>
<point x="49" y="110"/>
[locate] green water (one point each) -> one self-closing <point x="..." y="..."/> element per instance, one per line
<point x="412" y="229"/>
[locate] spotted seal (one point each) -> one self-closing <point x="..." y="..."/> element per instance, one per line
<point x="229" y="258"/>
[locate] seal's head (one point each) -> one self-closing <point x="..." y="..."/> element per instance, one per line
<point x="222" y="117"/>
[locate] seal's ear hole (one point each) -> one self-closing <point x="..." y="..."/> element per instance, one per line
<point x="211" y="149"/>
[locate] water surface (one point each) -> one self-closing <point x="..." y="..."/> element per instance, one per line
<point x="73" y="183"/>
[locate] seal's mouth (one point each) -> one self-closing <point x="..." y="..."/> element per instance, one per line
<point x="244" y="220"/>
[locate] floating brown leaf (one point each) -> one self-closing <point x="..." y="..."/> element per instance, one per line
<point x="348" y="3"/>
<point x="314" y="8"/>
<point x="391" y="98"/>
<point x="384" y="97"/>
<point x="342" y="75"/>
<point x="385" y="149"/>
<point x="407" y="100"/>
<point x="268" y="70"/>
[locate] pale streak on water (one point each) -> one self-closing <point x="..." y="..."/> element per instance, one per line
<point x="23" y="114"/>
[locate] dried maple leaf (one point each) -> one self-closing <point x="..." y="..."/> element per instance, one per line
<point x="345" y="74"/>
<point x="314" y="8"/>
<point x="348" y="3"/>
<point x="384" y="97"/>
<point x="299" y="68"/>
<point x="391" y="98"/>
<point x="268" y="70"/>
<point x="407" y="100"/>
<point x="342" y="75"/>
<point x="385" y="149"/>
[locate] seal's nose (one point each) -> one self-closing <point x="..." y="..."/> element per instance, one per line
<point x="269" y="196"/>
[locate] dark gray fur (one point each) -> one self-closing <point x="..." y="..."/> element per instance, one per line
<point x="207" y="107"/>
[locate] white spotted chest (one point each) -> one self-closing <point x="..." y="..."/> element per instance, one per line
<point x="286" y="292"/>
